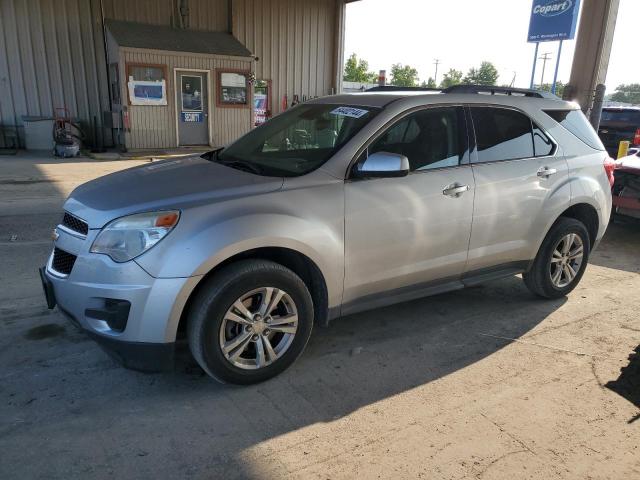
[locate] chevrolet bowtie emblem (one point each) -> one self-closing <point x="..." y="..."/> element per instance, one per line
<point x="55" y="235"/>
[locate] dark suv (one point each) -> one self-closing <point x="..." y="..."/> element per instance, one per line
<point x="618" y="124"/>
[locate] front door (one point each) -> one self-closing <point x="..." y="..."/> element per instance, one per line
<point x="410" y="234"/>
<point x="192" y="107"/>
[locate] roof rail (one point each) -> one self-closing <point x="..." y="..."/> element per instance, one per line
<point x="525" y="92"/>
<point x="395" y="88"/>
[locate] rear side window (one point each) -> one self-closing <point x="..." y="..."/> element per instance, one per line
<point x="577" y="123"/>
<point x="502" y="134"/>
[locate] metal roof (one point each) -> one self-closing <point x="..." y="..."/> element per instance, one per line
<point x="158" y="37"/>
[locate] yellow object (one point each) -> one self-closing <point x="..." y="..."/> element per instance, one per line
<point x="623" y="148"/>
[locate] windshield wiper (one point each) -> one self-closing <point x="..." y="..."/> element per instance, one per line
<point x="212" y="155"/>
<point x="240" y="165"/>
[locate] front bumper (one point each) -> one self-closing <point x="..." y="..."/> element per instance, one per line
<point x="141" y="356"/>
<point x="145" y="334"/>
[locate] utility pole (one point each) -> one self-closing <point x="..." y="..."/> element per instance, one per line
<point x="436" y="62"/>
<point x="545" y="57"/>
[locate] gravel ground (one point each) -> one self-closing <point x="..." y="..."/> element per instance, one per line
<point x="488" y="382"/>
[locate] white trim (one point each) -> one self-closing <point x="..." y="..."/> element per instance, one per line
<point x="209" y="102"/>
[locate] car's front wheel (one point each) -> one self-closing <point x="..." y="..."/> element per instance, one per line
<point x="561" y="260"/>
<point x="250" y="321"/>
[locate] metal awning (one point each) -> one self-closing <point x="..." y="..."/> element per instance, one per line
<point x="158" y="37"/>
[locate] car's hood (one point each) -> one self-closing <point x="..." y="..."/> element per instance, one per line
<point x="176" y="183"/>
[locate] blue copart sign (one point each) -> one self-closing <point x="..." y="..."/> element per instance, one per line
<point x="553" y="20"/>
<point x="191" y="117"/>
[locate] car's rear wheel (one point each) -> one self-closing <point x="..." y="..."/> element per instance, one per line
<point x="250" y="321"/>
<point x="561" y="260"/>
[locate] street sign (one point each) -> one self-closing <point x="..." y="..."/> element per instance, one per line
<point x="553" y="20"/>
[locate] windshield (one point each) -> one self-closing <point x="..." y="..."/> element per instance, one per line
<point x="297" y="141"/>
<point x="621" y="116"/>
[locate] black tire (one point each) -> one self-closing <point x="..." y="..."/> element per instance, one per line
<point x="538" y="278"/>
<point x="216" y="296"/>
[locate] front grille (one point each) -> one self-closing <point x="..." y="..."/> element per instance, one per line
<point x="62" y="261"/>
<point x="75" y="224"/>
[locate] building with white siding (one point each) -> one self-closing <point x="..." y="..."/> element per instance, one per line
<point x="148" y="74"/>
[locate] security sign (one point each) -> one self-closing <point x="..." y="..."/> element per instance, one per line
<point x="553" y="20"/>
<point x="191" y="117"/>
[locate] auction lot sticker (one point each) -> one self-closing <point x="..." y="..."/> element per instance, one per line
<point x="349" y="112"/>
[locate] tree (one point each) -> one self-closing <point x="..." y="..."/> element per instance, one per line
<point x="356" y="70"/>
<point x="627" y="93"/>
<point x="486" y="74"/>
<point x="431" y="83"/>
<point x="404" y="76"/>
<point x="547" y="88"/>
<point x="451" y="78"/>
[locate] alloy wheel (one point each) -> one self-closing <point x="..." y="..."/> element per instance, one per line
<point x="258" y="328"/>
<point x="566" y="260"/>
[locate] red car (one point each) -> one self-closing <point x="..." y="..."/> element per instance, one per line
<point x="626" y="187"/>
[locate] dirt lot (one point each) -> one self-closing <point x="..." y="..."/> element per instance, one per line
<point x="484" y="383"/>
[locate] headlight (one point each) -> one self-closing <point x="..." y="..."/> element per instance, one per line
<point x="125" y="238"/>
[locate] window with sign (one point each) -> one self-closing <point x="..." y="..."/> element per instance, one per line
<point x="232" y="89"/>
<point x="146" y="84"/>
<point x="145" y="73"/>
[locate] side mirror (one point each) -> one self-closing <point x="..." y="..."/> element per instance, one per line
<point x="383" y="164"/>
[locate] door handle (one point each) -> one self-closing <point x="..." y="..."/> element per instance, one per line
<point x="455" y="190"/>
<point x="546" y="172"/>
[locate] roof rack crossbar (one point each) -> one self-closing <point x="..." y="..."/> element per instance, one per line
<point x="395" y="88"/>
<point x="498" y="90"/>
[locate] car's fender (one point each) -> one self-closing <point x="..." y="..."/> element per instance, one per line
<point x="309" y="222"/>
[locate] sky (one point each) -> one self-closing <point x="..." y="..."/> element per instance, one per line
<point x="463" y="33"/>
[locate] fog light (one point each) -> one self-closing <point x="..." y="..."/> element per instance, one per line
<point x="114" y="312"/>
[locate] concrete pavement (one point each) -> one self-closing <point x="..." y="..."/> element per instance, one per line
<point x="488" y="382"/>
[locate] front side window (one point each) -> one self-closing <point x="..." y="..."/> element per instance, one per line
<point x="501" y="134"/>
<point x="298" y="140"/>
<point x="430" y="138"/>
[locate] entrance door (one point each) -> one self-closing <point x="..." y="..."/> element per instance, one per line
<point x="192" y="107"/>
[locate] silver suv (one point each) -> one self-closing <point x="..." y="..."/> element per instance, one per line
<point x="339" y="205"/>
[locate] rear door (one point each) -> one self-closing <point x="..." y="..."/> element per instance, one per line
<point x="519" y="176"/>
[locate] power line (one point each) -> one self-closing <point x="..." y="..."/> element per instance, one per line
<point x="545" y="57"/>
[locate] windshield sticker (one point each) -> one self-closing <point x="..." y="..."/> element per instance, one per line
<point x="349" y="112"/>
